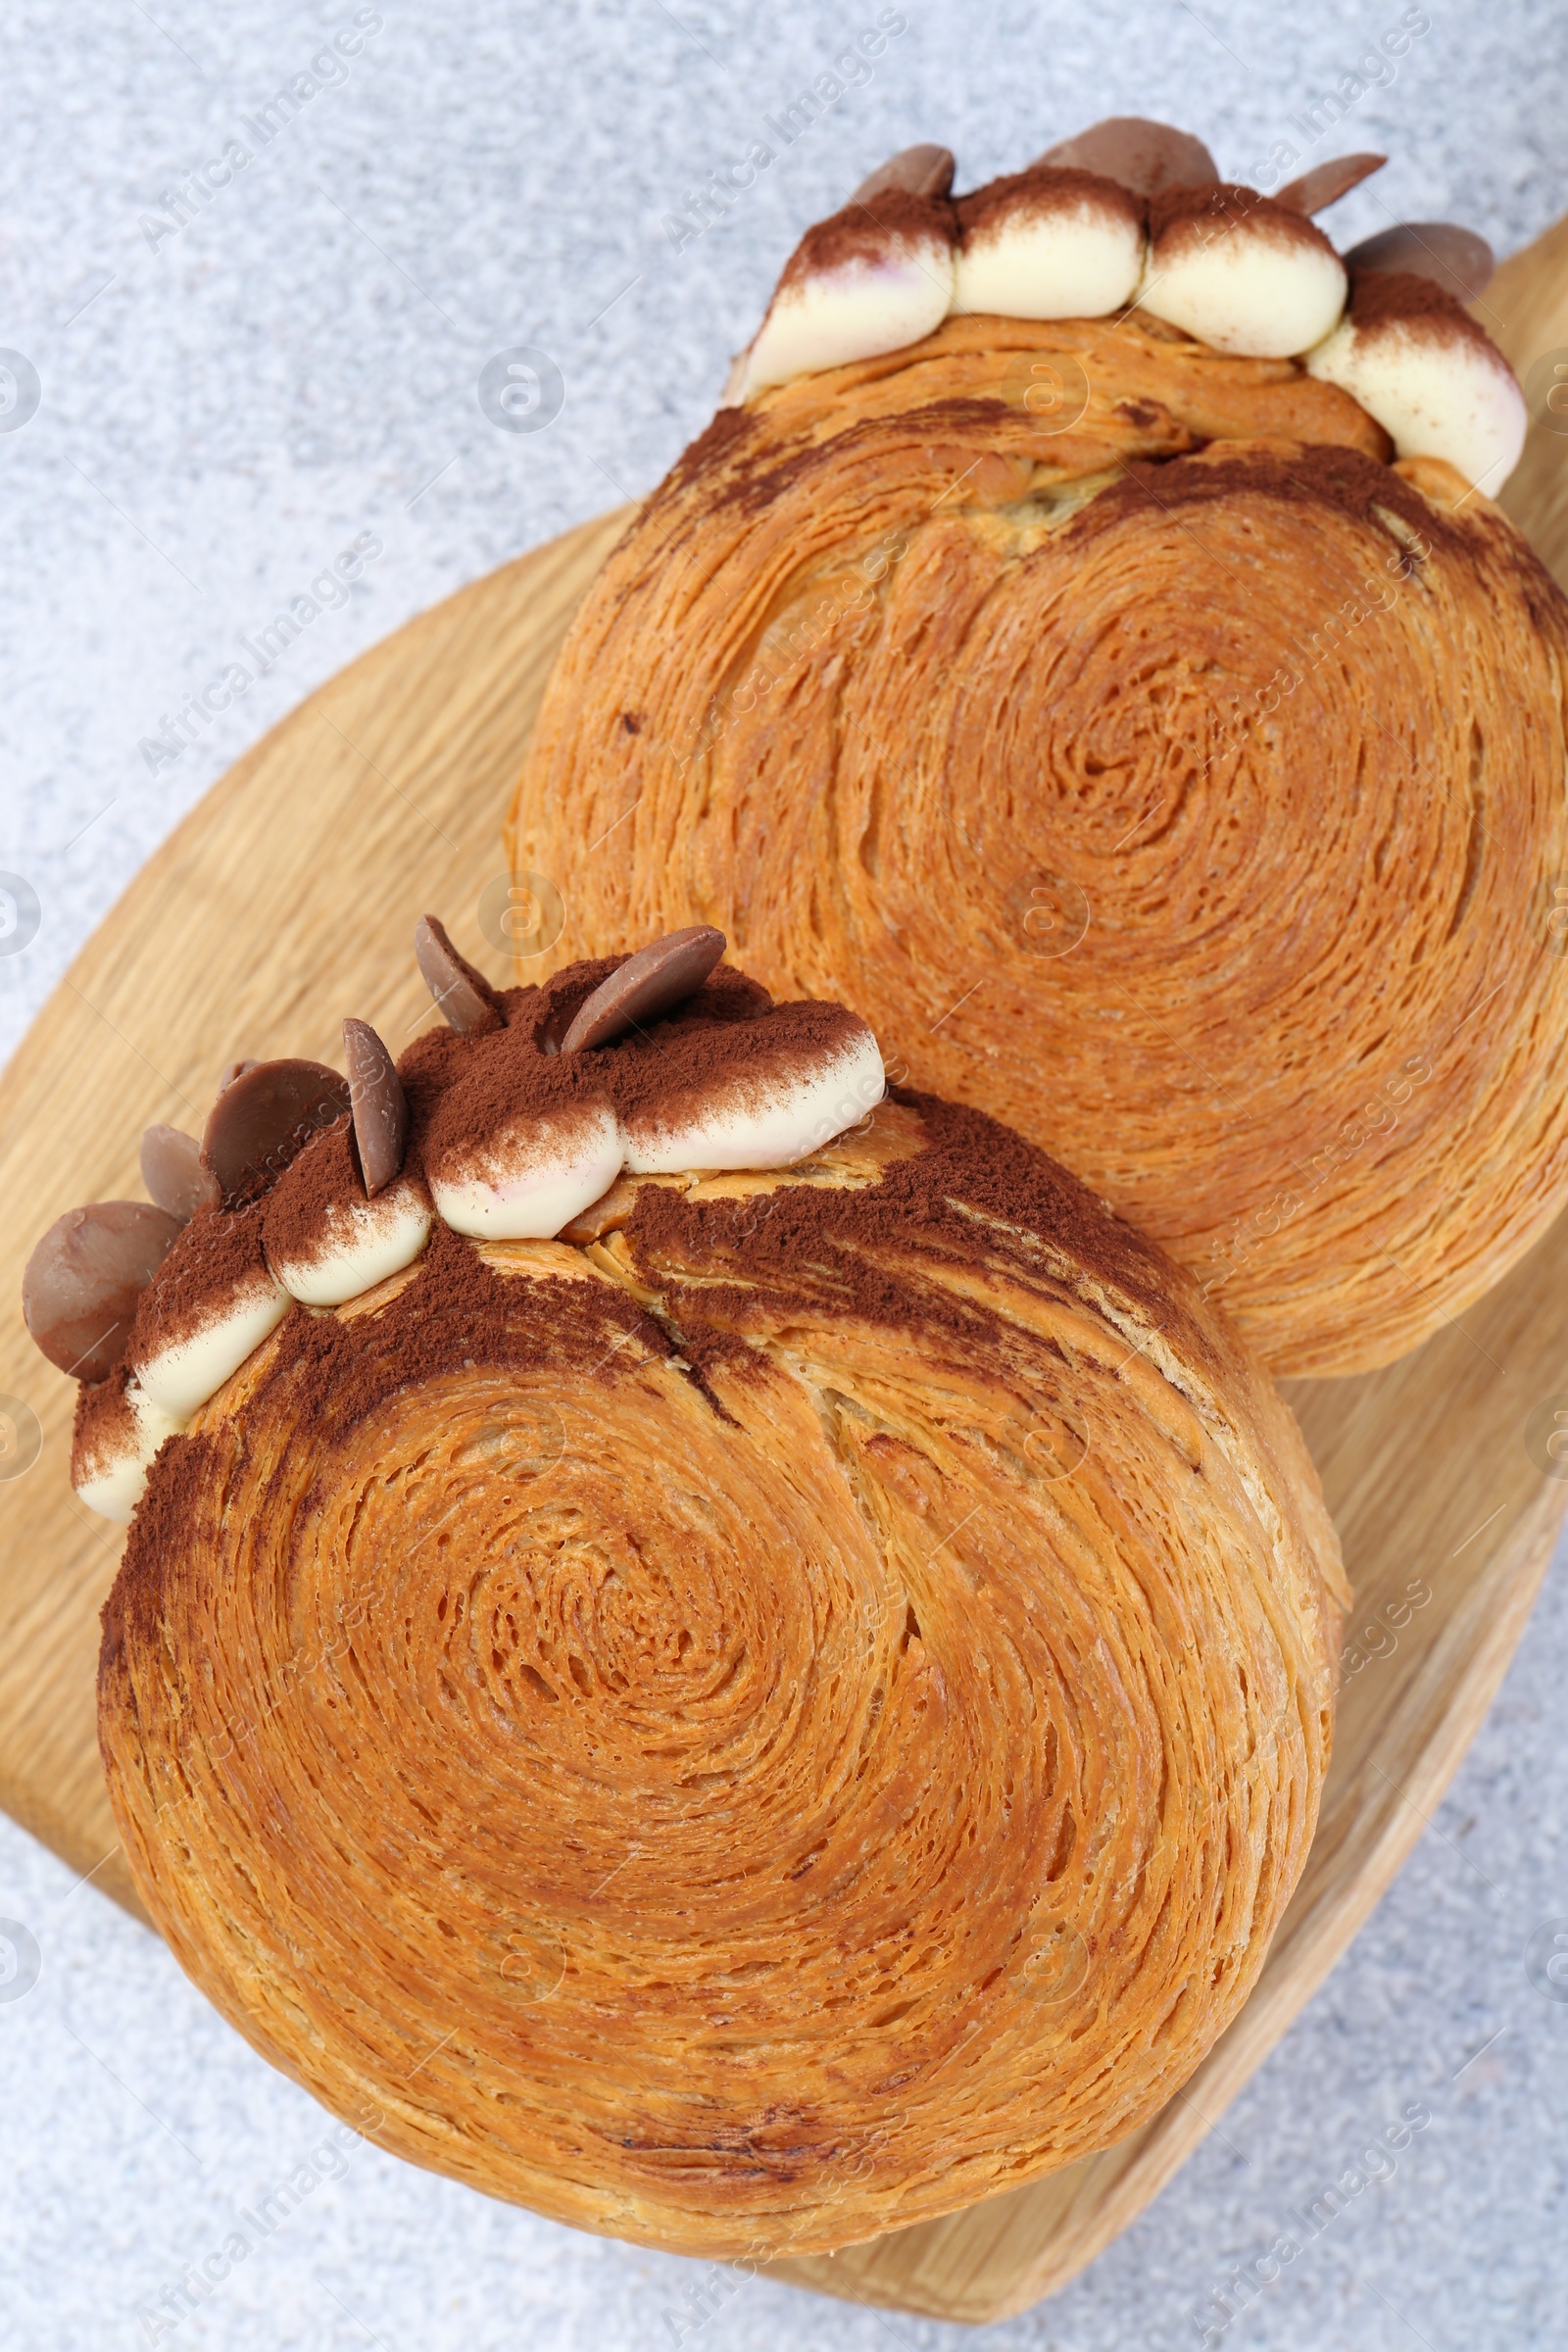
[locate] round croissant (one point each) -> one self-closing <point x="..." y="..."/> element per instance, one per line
<point x="1151" y="760"/>
<point x="790" y="1708"/>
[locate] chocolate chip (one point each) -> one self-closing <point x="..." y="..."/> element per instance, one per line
<point x="1145" y="157"/>
<point x="235" y="1069"/>
<point x="465" y="997"/>
<point x="647" y="985"/>
<point x="81" y="1283"/>
<point x="1453" y="257"/>
<point x="172" y="1173"/>
<point x="263" y="1120"/>
<point x="923" y="171"/>
<point x="1326" y="183"/>
<point x="380" y="1107"/>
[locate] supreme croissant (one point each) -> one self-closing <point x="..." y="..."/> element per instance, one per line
<point x="1083" y="636"/>
<point x="770" y="1703"/>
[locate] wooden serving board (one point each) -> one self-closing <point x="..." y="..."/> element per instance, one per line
<point x="287" y="900"/>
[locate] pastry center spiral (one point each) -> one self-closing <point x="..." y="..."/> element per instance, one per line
<point x="748" y="1772"/>
<point x="1179" y="785"/>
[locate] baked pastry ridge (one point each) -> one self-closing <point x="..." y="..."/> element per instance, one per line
<point x="1167" y="764"/>
<point x="774" y="1705"/>
<point x="791" y="1706"/>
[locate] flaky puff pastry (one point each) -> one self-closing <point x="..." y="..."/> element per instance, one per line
<point x="1150" y="762"/>
<point x="779" y="1718"/>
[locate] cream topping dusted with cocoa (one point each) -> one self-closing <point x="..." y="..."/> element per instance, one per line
<point x="1240" y="273"/>
<point x="1197" y="216"/>
<point x="118" y="1431"/>
<point x="1133" y="214"/>
<point x="516" y="1139"/>
<point x="1434" y="379"/>
<point x="510" y="1122"/>
<point x="870" y="278"/>
<point x="212" y="1302"/>
<point x="326" y="1235"/>
<point x="1044" y="192"/>
<point x="1048" y="243"/>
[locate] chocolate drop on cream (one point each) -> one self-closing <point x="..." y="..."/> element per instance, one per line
<point x="646" y="986"/>
<point x="923" y="171"/>
<point x="380" y="1107"/>
<point x="1455" y="259"/>
<point x="265" y="1119"/>
<point x="172" y="1173"/>
<point x="1326" y="183"/>
<point x="81" y="1285"/>
<point x="465" y="997"/>
<point x="1145" y="157"/>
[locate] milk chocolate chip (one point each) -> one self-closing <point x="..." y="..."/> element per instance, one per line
<point x="235" y="1069"/>
<point x="380" y="1107"/>
<point x="1326" y="183"/>
<point x="82" y="1284"/>
<point x="262" y="1121"/>
<point x="172" y="1173"/>
<point x="1455" y="259"/>
<point x="465" y="997"/>
<point x="922" y="171"/>
<point x="647" y="984"/>
<point x="1145" y="157"/>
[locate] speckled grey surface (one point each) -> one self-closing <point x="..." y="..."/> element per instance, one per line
<point x="223" y="406"/>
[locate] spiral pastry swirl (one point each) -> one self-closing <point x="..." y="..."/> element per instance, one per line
<point x="1148" y="760"/>
<point x="778" y="1715"/>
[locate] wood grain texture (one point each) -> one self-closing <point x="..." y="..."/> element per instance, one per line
<point x="287" y="898"/>
<point x="1525" y="312"/>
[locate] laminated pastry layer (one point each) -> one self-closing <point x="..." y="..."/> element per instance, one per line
<point x="1150" y="760"/>
<point x="789" y="1717"/>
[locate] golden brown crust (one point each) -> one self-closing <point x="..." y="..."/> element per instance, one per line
<point x="783" y="1720"/>
<point x="1183" y="787"/>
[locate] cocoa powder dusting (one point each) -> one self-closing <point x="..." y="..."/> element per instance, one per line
<point x="329" y="1375"/>
<point x="1322" y="474"/>
<point x="1039" y="192"/>
<point x="456" y="1315"/>
<point x="727" y="1036"/>
<point x="1206" y="211"/>
<point x="1398" y="298"/>
<point x="178" y="1502"/>
<point x="861" y="233"/>
<point x="877" y="1253"/>
<point x="325" y="1176"/>
<point x="718" y="440"/>
<point x="104" y="1427"/>
<point x="666" y="1073"/>
<point x="218" y="1253"/>
<point x="911" y="1213"/>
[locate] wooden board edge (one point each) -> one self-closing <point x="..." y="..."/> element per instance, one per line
<point x="389" y="651"/>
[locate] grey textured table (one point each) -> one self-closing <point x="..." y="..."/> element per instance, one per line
<point x="240" y="377"/>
